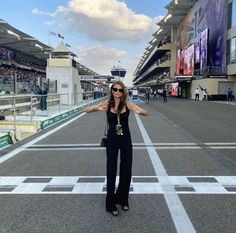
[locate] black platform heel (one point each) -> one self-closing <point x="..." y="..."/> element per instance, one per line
<point x="114" y="212"/>
<point x="124" y="205"/>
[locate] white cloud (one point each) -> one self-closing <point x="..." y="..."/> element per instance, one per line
<point x="100" y="59"/>
<point x="104" y="20"/>
<point x="50" y="23"/>
<point x="36" y="11"/>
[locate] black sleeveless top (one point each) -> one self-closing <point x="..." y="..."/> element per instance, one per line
<point x="112" y="122"/>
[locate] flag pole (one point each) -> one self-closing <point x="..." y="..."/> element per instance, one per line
<point x="49" y="38"/>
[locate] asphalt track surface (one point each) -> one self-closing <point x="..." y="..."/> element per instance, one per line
<point x="184" y="174"/>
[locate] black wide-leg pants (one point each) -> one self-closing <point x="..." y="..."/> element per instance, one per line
<point x="122" y="194"/>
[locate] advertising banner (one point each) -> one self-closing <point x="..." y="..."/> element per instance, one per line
<point x="204" y="48"/>
<point x="206" y="14"/>
<point x="189" y="60"/>
<point x="174" y="89"/>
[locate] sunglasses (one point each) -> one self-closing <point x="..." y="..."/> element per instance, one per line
<point x="117" y="89"/>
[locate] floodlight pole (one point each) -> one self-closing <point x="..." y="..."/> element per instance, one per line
<point x="108" y="79"/>
<point x="227" y="97"/>
<point x="14" y="81"/>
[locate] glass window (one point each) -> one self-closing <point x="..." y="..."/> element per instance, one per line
<point x="233" y="50"/>
<point x="234" y="13"/>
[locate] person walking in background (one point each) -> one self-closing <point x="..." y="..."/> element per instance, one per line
<point x="95" y="93"/>
<point x="164" y="94"/>
<point x="229" y="94"/>
<point x="155" y="94"/>
<point x="147" y="94"/>
<point x="204" y="94"/>
<point x="130" y="93"/>
<point x="118" y="139"/>
<point x="43" y="100"/>
<point x="37" y="92"/>
<point x="197" y="92"/>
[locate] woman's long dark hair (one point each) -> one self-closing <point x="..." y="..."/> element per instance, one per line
<point x="111" y="102"/>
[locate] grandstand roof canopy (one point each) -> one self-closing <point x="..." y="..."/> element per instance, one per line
<point x="13" y="38"/>
<point x="178" y="10"/>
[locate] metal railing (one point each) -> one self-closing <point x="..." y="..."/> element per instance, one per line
<point x="211" y="71"/>
<point x="23" y="114"/>
<point x="31" y="105"/>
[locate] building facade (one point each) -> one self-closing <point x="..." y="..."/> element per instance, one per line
<point x="199" y="38"/>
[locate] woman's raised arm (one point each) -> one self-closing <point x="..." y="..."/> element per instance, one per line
<point x="98" y="107"/>
<point x="135" y="108"/>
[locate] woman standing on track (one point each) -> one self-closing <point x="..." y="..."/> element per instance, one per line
<point x="118" y="138"/>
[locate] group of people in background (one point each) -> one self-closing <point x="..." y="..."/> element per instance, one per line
<point x="197" y="93"/>
<point x="25" y="79"/>
<point x="229" y="96"/>
<point x="155" y="94"/>
<point x="98" y="92"/>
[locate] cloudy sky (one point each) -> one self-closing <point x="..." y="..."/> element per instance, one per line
<point x="100" y="32"/>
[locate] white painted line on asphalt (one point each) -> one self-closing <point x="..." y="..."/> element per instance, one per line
<point x="179" y="215"/>
<point x="220" y="143"/>
<point x="143" y="144"/>
<point x="209" y="188"/>
<point x="169" y="144"/>
<point x="29" y="188"/>
<point x="103" y="148"/>
<point x="65" y="149"/>
<point x="97" y="147"/>
<point x="96" y="184"/>
<point x="96" y="144"/>
<point x="20" y="149"/>
<point x="222" y="147"/>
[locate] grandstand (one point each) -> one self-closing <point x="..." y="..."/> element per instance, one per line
<point x="23" y="61"/>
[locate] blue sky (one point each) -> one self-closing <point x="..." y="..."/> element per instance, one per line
<point x="100" y="32"/>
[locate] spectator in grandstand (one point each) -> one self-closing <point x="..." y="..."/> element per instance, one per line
<point x="43" y="100"/>
<point x="37" y="90"/>
<point x="2" y="92"/>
